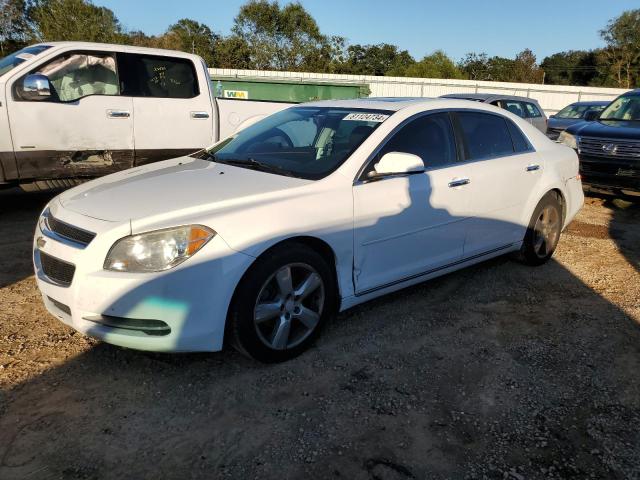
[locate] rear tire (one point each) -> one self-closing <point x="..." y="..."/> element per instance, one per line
<point x="543" y="232"/>
<point x="281" y="304"/>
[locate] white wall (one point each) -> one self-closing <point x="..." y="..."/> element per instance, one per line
<point x="551" y="97"/>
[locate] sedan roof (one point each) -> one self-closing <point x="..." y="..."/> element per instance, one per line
<point x="487" y="97"/>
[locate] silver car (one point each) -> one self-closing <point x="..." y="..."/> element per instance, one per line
<point x="524" y="107"/>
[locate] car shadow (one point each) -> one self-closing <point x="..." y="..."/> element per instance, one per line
<point x="497" y="370"/>
<point x="18" y="217"/>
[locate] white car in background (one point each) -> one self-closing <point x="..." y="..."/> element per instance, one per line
<point x="261" y="238"/>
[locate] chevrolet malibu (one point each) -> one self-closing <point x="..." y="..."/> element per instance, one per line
<point x="261" y="238"/>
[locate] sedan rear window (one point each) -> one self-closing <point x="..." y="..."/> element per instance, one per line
<point x="305" y="142"/>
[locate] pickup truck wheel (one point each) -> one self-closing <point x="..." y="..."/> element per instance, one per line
<point x="281" y="304"/>
<point x="543" y="232"/>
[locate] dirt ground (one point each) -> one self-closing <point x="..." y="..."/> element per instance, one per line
<point x="497" y="371"/>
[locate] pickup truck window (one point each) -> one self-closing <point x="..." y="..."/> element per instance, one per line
<point x="625" y="108"/>
<point x="156" y="76"/>
<point x="305" y="142"/>
<point x="77" y="75"/>
<point x="16" y="58"/>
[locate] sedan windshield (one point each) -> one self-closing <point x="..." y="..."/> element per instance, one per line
<point x="577" y="111"/>
<point x="626" y="107"/>
<point x="16" y="58"/>
<point x="305" y="142"/>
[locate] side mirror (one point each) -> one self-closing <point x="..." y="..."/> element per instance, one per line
<point x="397" y="163"/>
<point x="36" y="87"/>
<point x="591" y="115"/>
<point x="552" y="116"/>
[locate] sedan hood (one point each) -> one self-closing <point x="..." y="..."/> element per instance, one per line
<point x="174" y="185"/>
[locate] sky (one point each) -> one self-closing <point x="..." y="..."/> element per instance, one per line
<point x="497" y="27"/>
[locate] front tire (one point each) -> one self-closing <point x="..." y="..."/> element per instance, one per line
<point x="282" y="303"/>
<point x="544" y="230"/>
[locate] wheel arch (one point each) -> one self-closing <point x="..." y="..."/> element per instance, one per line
<point x="314" y="243"/>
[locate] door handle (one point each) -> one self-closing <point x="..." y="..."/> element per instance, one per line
<point x="532" y="167"/>
<point x="118" y="114"/>
<point x="458" y="182"/>
<point x="199" y="115"/>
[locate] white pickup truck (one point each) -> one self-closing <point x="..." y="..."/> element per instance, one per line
<point x="72" y="110"/>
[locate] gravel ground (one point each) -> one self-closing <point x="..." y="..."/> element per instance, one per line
<point x="497" y="371"/>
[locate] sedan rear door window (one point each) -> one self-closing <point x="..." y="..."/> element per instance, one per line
<point x="485" y="135"/>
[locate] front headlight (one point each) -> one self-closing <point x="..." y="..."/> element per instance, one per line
<point x="568" y="139"/>
<point x="158" y="250"/>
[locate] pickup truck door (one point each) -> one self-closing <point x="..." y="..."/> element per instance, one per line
<point x="83" y="129"/>
<point x="172" y="103"/>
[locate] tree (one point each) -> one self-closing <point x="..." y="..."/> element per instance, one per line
<point x="475" y="66"/>
<point x="381" y="59"/>
<point x="286" y="38"/>
<point x="622" y="36"/>
<point x="14" y="26"/>
<point x="484" y="68"/>
<point x="574" y="67"/>
<point x="190" y="36"/>
<point x="231" y="52"/>
<point x="525" y="68"/>
<point x="436" y="65"/>
<point x="74" y="20"/>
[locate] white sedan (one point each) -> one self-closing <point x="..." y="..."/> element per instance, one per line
<point x="264" y="236"/>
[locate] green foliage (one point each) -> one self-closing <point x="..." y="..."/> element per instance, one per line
<point x="78" y="20"/>
<point x="270" y="35"/>
<point x="381" y="59"/>
<point x="280" y="38"/>
<point x="15" y="30"/>
<point x="622" y="36"/>
<point x="191" y="36"/>
<point x="436" y="65"/>
<point x="574" y="67"/>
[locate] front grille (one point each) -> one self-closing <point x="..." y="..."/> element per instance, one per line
<point x="612" y="148"/>
<point x="70" y="232"/>
<point x="57" y="270"/>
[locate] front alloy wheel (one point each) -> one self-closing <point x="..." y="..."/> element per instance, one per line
<point x="281" y="303"/>
<point x="289" y="306"/>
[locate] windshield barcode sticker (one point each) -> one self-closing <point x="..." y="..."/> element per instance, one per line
<point x="367" y="117"/>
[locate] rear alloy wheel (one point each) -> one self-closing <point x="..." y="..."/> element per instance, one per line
<point x="281" y="304"/>
<point x="544" y="231"/>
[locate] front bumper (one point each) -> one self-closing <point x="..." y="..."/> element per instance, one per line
<point x="181" y="309"/>
<point x="610" y="174"/>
